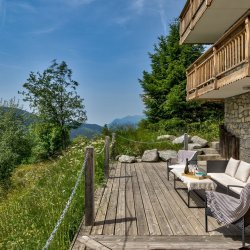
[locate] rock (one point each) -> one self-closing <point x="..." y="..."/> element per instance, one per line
<point x="192" y="146"/>
<point x="127" y="159"/>
<point x="167" y="154"/>
<point x="150" y="155"/>
<point x="198" y="140"/>
<point x="215" y="145"/>
<point x="209" y="151"/>
<point x="180" y="140"/>
<point x="117" y="157"/>
<point x="139" y="160"/>
<point x="166" y="137"/>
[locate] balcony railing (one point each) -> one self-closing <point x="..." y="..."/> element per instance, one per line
<point x="227" y="61"/>
<point x="189" y="13"/>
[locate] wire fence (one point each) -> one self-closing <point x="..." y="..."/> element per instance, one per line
<point x="141" y="142"/>
<point x="60" y="220"/>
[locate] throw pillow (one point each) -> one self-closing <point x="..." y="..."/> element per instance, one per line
<point x="243" y="171"/>
<point x="232" y="167"/>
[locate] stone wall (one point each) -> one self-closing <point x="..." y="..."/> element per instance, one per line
<point x="237" y="121"/>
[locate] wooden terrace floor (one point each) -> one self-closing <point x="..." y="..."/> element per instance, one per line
<point x="139" y="209"/>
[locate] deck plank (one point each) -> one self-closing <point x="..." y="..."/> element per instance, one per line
<point x="101" y="213"/>
<point x="160" y="215"/>
<point x="109" y="225"/>
<point x="153" y="226"/>
<point x="142" y="225"/>
<point x="183" y="221"/>
<point x="120" y="223"/>
<point x="131" y="225"/>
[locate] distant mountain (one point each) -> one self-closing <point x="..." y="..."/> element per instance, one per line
<point x="128" y="120"/>
<point x="88" y="130"/>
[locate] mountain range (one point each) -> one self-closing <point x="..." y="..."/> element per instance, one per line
<point x="88" y="130"/>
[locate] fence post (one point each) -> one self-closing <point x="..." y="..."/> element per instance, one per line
<point x="89" y="186"/>
<point x="106" y="157"/>
<point x="113" y="146"/>
<point x="185" y="141"/>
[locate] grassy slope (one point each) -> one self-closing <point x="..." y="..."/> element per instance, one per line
<point x="32" y="207"/>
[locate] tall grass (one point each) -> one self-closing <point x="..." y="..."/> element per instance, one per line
<point x="30" y="210"/>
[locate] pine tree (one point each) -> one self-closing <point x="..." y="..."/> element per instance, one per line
<point x="164" y="88"/>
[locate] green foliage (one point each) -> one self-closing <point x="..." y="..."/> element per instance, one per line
<point x="164" y="88"/>
<point x="38" y="195"/>
<point x="53" y="97"/>
<point x="14" y="141"/>
<point x="46" y="140"/>
<point x="132" y="141"/>
<point x="105" y="130"/>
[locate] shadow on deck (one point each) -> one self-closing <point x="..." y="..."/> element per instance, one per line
<point x="139" y="209"/>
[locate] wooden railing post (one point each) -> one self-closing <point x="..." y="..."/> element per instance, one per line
<point x="89" y="186"/>
<point x="215" y="67"/>
<point x="113" y="151"/>
<point x="247" y="43"/>
<point x="185" y="141"/>
<point x="106" y="157"/>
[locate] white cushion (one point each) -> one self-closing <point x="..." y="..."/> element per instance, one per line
<point x="232" y="167"/>
<point x="179" y="166"/>
<point x="236" y="190"/>
<point x="243" y="171"/>
<point x="225" y="179"/>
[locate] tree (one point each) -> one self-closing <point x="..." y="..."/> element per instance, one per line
<point x="53" y="97"/>
<point x="14" y="141"/>
<point x="164" y="88"/>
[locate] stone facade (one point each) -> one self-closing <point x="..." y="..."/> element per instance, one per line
<point x="237" y="121"/>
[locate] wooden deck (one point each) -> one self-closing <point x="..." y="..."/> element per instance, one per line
<point x="139" y="209"/>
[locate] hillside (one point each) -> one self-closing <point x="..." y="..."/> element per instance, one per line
<point x="128" y="120"/>
<point x="88" y="130"/>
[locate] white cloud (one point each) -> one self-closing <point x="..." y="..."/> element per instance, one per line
<point x="76" y="3"/>
<point x="122" y="20"/>
<point x="138" y="5"/>
<point x="44" y="31"/>
<point x="23" y="6"/>
<point x="162" y="16"/>
<point x="2" y="13"/>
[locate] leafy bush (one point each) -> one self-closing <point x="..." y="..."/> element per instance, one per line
<point x="14" y="142"/>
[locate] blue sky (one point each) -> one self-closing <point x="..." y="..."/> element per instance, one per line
<point x="104" y="42"/>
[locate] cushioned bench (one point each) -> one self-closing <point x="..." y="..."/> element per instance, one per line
<point x="232" y="174"/>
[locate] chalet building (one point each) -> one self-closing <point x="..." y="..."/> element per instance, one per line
<point x="222" y="73"/>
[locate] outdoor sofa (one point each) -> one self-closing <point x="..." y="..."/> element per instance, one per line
<point x="231" y="174"/>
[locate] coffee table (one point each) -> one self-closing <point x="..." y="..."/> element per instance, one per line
<point x="192" y="185"/>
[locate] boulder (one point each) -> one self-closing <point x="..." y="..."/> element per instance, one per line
<point x="117" y="157"/>
<point x="166" y="137"/>
<point x="198" y="140"/>
<point x="150" y="155"/>
<point x="167" y="154"/>
<point x="180" y="140"/>
<point x="192" y="146"/>
<point x="127" y="159"/>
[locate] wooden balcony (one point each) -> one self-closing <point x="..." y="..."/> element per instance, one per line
<point x="205" y="21"/>
<point x="224" y="70"/>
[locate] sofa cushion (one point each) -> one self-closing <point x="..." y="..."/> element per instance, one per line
<point x="236" y="190"/>
<point x="243" y="171"/>
<point x="225" y="179"/>
<point x="232" y="167"/>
